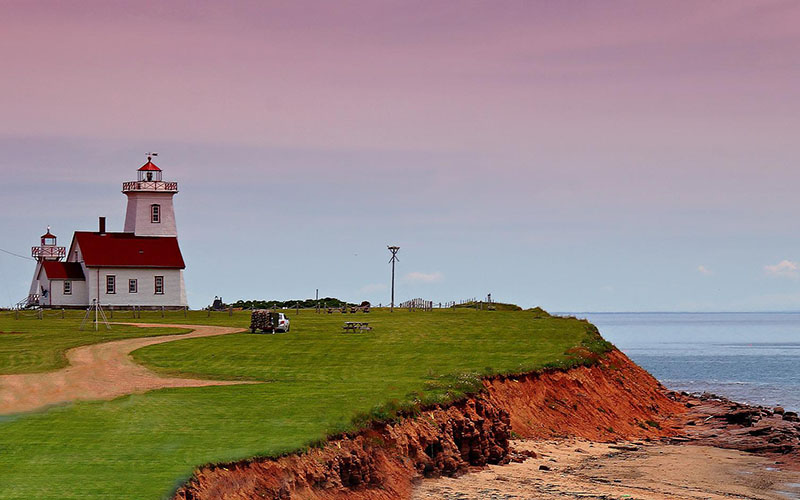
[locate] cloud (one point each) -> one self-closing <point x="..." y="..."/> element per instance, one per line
<point x="418" y="277"/>
<point x="703" y="270"/>
<point x="784" y="268"/>
<point x="373" y="287"/>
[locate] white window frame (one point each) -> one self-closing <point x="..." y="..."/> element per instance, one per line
<point x="67" y="287"/>
<point x="155" y="213"/>
<point x="158" y="287"/>
<point x="133" y="286"/>
<point x="111" y="284"/>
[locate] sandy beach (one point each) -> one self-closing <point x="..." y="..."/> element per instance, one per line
<point x="583" y="469"/>
<point x="722" y="449"/>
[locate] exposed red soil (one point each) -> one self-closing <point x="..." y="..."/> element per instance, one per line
<point x="613" y="400"/>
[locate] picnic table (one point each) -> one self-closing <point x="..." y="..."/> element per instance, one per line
<point x="353" y="326"/>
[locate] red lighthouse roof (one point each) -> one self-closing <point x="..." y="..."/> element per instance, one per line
<point x="128" y="250"/>
<point x="63" y="270"/>
<point x="149" y="167"/>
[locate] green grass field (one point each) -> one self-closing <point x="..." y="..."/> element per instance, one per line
<point x="316" y="381"/>
<point x="30" y="345"/>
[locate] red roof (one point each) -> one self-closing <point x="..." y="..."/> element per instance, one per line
<point x="150" y="166"/>
<point x="129" y="250"/>
<point x="48" y="235"/>
<point x="63" y="270"/>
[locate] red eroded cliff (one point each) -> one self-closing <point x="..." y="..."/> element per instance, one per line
<point x="612" y="400"/>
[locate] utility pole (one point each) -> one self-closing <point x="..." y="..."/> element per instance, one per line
<point x="394" y="259"/>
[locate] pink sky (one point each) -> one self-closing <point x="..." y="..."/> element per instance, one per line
<point x="393" y="74"/>
<point x="654" y="127"/>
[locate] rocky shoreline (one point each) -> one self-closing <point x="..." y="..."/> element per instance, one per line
<point x="719" y="422"/>
<point x="716" y="449"/>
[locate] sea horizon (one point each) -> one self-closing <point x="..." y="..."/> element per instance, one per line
<point x="749" y="357"/>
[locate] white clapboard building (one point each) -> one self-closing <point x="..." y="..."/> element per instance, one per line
<point x="141" y="266"/>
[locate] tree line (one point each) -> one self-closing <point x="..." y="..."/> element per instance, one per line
<point x="291" y="304"/>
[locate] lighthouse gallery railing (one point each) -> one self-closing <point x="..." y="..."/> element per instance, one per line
<point x="149" y="186"/>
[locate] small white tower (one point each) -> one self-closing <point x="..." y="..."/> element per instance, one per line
<point x="150" y="211"/>
<point x="48" y="250"/>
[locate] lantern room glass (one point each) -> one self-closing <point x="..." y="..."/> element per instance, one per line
<point x="149" y="175"/>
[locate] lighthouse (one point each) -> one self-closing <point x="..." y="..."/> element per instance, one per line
<point x="142" y="266"/>
<point x="150" y="210"/>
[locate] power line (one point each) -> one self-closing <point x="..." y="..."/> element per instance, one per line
<point x="16" y="254"/>
<point x="8" y="291"/>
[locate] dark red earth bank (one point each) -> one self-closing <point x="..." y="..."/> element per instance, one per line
<point x="609" y="401"/>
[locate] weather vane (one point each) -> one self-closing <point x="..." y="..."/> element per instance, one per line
<point x="151" y="155"/>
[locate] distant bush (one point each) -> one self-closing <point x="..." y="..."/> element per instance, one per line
<point x="290" y="304"/>
<point x="653" y="423"/>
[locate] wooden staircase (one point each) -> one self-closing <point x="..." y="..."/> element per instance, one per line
<point x="29" y="301"/>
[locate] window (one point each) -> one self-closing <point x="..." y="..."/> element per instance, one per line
<point x="159" y="282"/>
<point x="111" y="284"/>
<point x="67" y="287"/>
<point x="133" y="286"/>
<point x="155" y="214"/>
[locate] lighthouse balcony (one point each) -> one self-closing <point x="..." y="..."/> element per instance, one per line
<point x="48" y="253"/>
<point x="160" y="186"/>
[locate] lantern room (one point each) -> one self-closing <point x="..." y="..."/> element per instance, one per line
<point x="149" y="180"/>
<point x="149" y="172"/>
<point x="48" y="249"/>
<point x="48" y="239"/>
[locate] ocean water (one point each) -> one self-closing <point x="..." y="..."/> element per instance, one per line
<point x="748" y="357"/>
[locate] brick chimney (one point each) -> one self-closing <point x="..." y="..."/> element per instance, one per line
<point x="102" y="229"/>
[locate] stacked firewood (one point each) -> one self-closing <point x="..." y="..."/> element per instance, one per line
<point x="261" y="319"/>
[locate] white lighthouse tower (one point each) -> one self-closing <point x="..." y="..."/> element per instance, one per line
<point x="150" y="211"/>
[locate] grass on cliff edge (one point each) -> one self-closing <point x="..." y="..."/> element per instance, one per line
<point x="317" y="380"/>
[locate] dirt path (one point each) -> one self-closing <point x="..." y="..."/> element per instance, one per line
<point x="582" y="469"/>
<point x="99" y="371"/>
